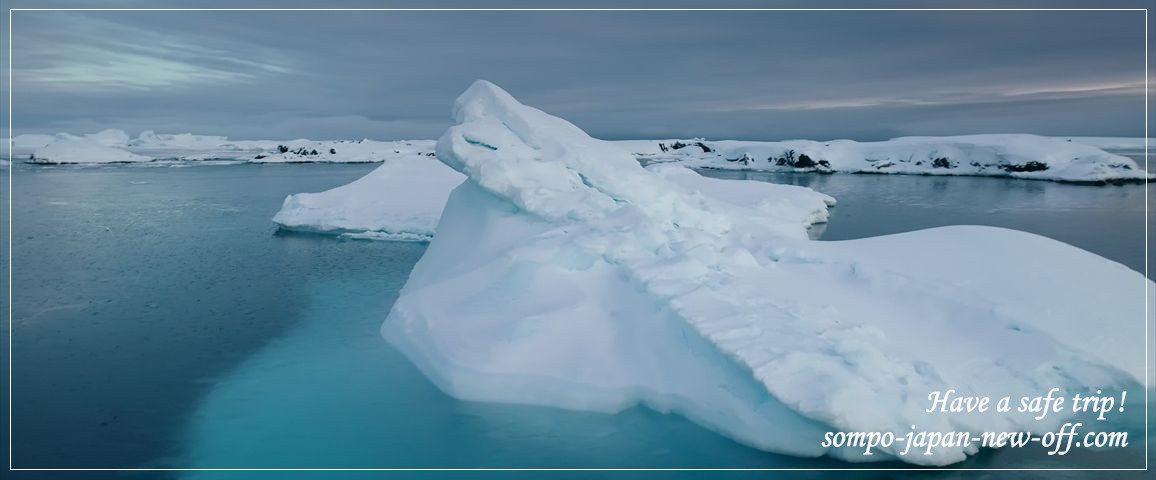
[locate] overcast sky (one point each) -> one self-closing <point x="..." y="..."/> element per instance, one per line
<point x="749" y="75"/>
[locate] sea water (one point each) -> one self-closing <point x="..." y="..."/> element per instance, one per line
<point x="160" y="320"/>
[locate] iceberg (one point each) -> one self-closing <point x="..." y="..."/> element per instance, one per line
<point x="84" y="150"/>
<point x="106" y="146"/>
<point x="1001" y="155"/>
<point x="400" y="200"/>
<point x="564" y="274"/>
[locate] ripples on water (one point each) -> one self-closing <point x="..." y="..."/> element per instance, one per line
<point x="161" y="322"/>
<point x="1107" y="220"/>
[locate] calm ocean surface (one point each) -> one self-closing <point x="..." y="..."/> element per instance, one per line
<point x="160" y="321"/>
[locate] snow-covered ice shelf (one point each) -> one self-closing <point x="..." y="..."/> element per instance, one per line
<point x="1067" y="159"/>
<point x="564" y="274"/>
<point x="1076" y="159"/>
<point x="115" y="146"/>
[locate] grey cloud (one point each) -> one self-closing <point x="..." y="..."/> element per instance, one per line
<point x="758" y="75"/>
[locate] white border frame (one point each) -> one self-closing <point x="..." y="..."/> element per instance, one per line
<point x="912" y="469"/>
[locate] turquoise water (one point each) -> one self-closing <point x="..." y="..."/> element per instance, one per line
<point x="161" y="322"/>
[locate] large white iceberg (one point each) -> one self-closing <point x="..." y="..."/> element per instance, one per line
<point x="564" y="274"/>
<point x="1010" y="155"/>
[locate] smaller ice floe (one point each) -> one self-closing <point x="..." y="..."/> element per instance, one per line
<point x="564" y="274"/>
<point x="84" y="150"/>
<point x="1006" y="155"/>
<point x="400" y="200"/>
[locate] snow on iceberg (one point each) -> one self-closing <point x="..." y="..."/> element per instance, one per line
<point x="782" y="203"/>
<point x="400" y="200"/>
<point x="564" y="274"/>
<point x="1009" y="155"/>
